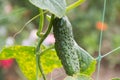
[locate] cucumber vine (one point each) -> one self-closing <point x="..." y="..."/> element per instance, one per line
<point x="78" y="63"/>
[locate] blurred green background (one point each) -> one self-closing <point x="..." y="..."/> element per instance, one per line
<point x="15" y="13"/>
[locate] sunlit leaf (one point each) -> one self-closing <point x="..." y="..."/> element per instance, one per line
<point x="50" y="61"/>
<point x="25" y="56"/>
<point x="57" y="7"/>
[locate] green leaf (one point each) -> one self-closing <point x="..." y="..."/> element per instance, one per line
<point x="50" y="61"/>
<point x="87" y="62"/>
<point x="78" y="77"/>
<point x="16" y="51"/>
<point x="25" y="56"/>
<point x="26" y="61"/>
<point x="116" y="79"/>
<point x="91" y="68"/>
<point x="57" y="7"/>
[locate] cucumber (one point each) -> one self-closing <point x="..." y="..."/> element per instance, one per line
<point x="64" y="45"/>
<point x="71" y="55"/>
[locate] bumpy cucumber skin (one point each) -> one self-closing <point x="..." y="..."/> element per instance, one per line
<point x="65" y="45"/>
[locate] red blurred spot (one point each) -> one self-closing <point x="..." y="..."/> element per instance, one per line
<point x="6" y="63"/>
<point x="101" y="26"/>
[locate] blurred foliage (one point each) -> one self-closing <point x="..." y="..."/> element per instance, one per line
<point x="1" y="75"/>
<point x="13" y="15"/>
<point x="116" y="79"/>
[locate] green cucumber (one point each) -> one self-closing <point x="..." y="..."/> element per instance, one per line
<point x="71" y="55"/>
<point x="64" y="45"/>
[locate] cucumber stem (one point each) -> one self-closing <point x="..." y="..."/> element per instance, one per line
<point x="46" y="34"/>
<point x="40" y="67"/>
<point x="41" y="23"/>
<point x="39" y="44"/>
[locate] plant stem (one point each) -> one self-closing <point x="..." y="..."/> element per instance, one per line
<point x="41" y="53"/>
<point x="47" y="32"/>
<point x="39" y="44"/>
<point x="37" y="68"/>
<point x="74" y="5"/>
<point x="40" y="67"/>
<point x="41" y="23"/>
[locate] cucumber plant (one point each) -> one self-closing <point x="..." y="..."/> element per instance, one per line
<point x="78" y="63"/>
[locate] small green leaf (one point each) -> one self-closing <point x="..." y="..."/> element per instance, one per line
<point x="78" y="77"/>
<point x="25" y="56"/>
<point x="57" y="7"/>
